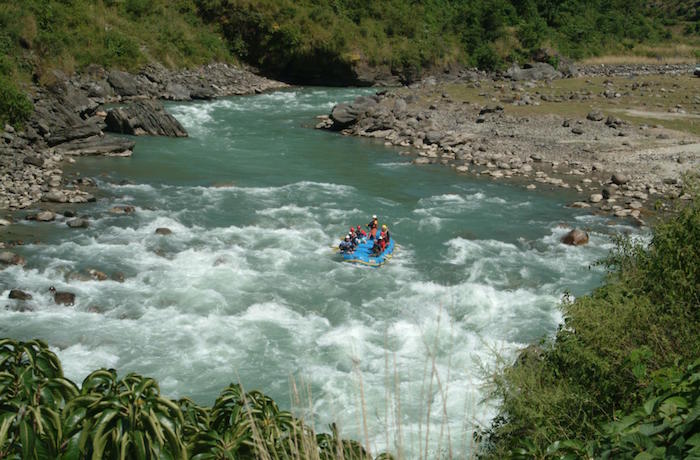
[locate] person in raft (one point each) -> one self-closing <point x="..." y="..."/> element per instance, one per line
<point x="379" y="246"/>
<point x="346" y="245"/>
<point x="385" y="234"/>
<point x="372" y="226"/>
<point x="361" y="234"/>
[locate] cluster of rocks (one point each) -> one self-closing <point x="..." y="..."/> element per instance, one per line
<point x="631" y="70"/>
<point x="70" y="119"/>
<point x="580" y="154"/>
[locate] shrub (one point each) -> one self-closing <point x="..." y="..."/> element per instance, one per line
<point x="486" y="58"/>
<point x="15" y="106"/>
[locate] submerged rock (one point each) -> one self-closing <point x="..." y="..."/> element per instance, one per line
<point x="78" y="222"/>
<point x="163" y="231"/>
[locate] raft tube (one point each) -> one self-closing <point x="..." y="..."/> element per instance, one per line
<point x="363" y="254"/>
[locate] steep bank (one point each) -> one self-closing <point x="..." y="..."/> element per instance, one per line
<point x="69" y="120"/>
<point x="597" y="135"/>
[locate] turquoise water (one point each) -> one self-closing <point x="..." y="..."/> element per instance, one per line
<point x="247" y="287"/>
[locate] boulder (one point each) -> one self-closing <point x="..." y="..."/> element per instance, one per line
<point x="33" y="160"/>
<point x="70" y="133"/>
<point x="619" y="178"/>
<point x="344" y="115"/>
<point x="16" y="294"/>
<point x="55" y="196"/>
<point x="595" y="115"/>
<point x="45" y="216"/>
<point x="122" y="209"/>
<point x="575" y="237"/>
<point x="63" y="298"/>
<point x="110" y="146"/>
<point x="205" y="92"/>
<point x="432" y="137"/>
<point x="78" y="222"/>
<point x="144" y="117"/>
<point x="163" y="231"/>
<point x="576" y="130"/>
<point x="124" y="83"/>
<point x="177" y="92"/>
<point x="98" y="275"/>
<point x="596" y="198"/>
<point x="534" y="71"/>
<point x="10" y="258"/>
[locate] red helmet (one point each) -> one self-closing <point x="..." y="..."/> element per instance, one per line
<point x="352" y="229"/>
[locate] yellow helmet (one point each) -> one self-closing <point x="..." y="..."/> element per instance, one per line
<point x="384" y="226"/>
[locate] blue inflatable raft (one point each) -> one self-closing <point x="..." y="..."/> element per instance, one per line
<point x="363" y="254"/>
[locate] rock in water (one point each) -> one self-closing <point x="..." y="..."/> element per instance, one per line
<point x="10" y="258"/>
<point x="78" y="222"/>
<point x="45" y="216"/>
<point x="144" y="117"/>
<point x="163" y="231"/>
<point x="575" y="237"/>
<point x="19" y="295"/>
<point x="62" y="298"/>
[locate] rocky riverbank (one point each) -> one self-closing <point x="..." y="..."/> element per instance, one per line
<point x="577" y="133"/>
<point x="70" y="119"/>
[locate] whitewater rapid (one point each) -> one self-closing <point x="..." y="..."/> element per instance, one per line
<point x="247" y="288"/>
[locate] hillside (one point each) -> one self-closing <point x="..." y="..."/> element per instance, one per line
<point x="337" y="42"/>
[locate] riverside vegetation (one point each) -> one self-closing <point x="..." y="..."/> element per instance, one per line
<point x="339" y="41"/>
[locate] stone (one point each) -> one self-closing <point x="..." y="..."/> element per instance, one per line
<point x="10" y="258"/>
<point x="55" y="196"/>
<point x="144" y="117"/>
<point x="534" y="71"/>
<point x="4" y="222"/>
<point x="78" y="222"/>
<point x="163" y="231"/>
<point x="432" y="137"/>
<point x="124" y="83"/>
<point x="577" y="130"/>
<point x="619" y="178"/>
<point x="595" y="115"/>
<point x="62" y="298"/>
<point x="635" y="205"/>
<point x="33" y="160"/>
<point x="596" y="198"/>
<point x="98" y="275"/>
<point x="606" y="193"/>
<point x="110" y="146"/>
<point x="580" y="204"/>
<point x="575" y="237"/>
<point x="45" y="216"/>
<point x="122" y="209"/>
<point x="16" y="294"/>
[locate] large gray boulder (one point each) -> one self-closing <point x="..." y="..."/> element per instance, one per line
<point x="534" y="71"/>
<point x="344" y="115"/>
<point x="10" y="258"/>
<point x="71" y="133"/>
<point x="144" y="117"/>
<point x="124" y="83"/>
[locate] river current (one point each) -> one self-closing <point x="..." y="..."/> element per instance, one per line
<point x="247" y="287"/>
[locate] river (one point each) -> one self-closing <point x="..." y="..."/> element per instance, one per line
<point x="247" y="287"/>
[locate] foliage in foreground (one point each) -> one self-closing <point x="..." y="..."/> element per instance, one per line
<point x="621" y="376"/>
<point x="43" y="415"/>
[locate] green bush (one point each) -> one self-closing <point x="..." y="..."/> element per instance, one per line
<point x="486" y="58"/>
<point x="610" y="350"/>
<point x="15" y="106"/>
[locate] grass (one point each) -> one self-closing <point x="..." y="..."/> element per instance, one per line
<point x="656" y="93"/>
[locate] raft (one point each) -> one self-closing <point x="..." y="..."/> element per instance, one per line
<point x="362" y="254"/>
